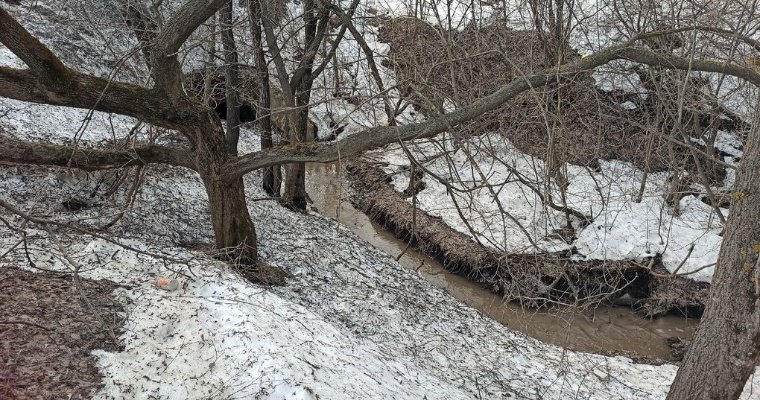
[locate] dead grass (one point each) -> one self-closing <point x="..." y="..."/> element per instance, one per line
<point x="47" y="334"/>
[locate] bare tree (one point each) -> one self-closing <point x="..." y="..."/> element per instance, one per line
<point x="272" y="176"/>
<point x="296" y="89"/>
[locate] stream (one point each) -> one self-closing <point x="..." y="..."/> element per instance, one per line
<point x="604" y="330"/>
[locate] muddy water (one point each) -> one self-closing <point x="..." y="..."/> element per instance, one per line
<point x="606" y="330"/>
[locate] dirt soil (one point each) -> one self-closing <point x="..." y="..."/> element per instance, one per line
<point x="47" y="333"/>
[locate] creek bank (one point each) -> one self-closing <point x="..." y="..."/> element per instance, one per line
<point x="603" y="330"/>
<point x="534" y="280"/>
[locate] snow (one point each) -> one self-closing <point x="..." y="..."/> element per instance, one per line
<point x="625" y="229"/>
<point x="228" y="339"/>
<point x="621" y="228"/>
<point x="351" y="323"/>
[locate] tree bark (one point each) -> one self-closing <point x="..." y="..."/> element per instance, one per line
<point x="726" y="349"/>
<point x="234" y="232"/>
<point x="272" y="175"/>
<point x="14" y="151"/>
<point x="232" y="78"/>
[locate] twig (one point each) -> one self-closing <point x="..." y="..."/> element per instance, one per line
<point x="15" y="322"/>
<point x="678" y="268"/>
<point x="83" y="230"/>
<point x="12" y="248"/>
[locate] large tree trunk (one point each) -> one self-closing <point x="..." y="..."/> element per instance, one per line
<point x="233" y="228"/>
<point x="726" y="348"/>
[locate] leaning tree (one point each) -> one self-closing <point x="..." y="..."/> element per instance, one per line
<point x="733" y="314"/>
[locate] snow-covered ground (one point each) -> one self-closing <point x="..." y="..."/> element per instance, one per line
<point x="351" y="323"/>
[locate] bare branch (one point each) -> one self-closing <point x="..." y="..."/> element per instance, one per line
<point x="314" y="40"/>
<point x="42" y="62"/>
<point x="167" y="72"/>
<point x="381" y="136"/>
<point x="722" y="32"/>
<point x="90" y="92"/>
<point x="187" y="19"/>
<point x="144" y="28"/>
<point x="370" y="61"/>
<point x="23" y="152"/>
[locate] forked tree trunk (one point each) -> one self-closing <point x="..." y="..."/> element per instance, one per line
<point x="295" y="179"/>
<point x="726" y="348"/>
<point x="234" y="232"/>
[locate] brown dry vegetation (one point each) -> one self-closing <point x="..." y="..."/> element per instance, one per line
<point x="586" y="124"/>
<point x="47" y="333"/>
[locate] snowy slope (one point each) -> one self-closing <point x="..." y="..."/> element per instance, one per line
<point x="351" y="323"/>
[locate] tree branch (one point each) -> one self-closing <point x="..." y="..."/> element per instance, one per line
<point x="267" y="22"/>
<point x="184" y="22"/>
<point x="90" y="92"/>
<point x="22" y="152"/>
<point x="370" y="62"/>
<point x="755" y="44"/>
<point x="143" y="27"/>
<point x="312" y="45"/>
<point x="381" y="136"/>
<point x="43" y="64"/>
<point x="337" y="40"/>
<point x="167" y="72"/>
<point x="49" y="81"/>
